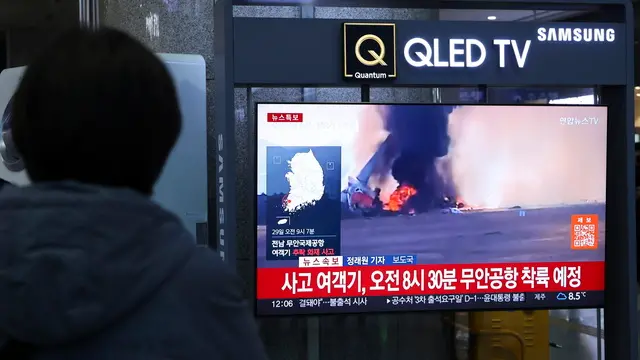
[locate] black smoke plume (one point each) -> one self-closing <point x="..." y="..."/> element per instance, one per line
<point x="418" y="137"/>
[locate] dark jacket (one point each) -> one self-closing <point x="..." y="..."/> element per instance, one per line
<point x="89" y="273"/>
<point x="4" y="184"/>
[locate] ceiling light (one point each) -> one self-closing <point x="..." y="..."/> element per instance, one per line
<point x="491" y="17"/>
<point x="638" y="95"/>
<point x="637" y="87"/>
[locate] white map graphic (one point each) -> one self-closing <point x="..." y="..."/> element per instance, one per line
<point x="306" y="182"/>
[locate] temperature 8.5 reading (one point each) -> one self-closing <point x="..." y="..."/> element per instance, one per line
<point x="576" y="295"/>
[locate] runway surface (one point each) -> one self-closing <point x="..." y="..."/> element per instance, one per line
<point x="472" y="237"/>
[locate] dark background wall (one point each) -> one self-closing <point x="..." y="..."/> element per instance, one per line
<point x="186" y="26"/>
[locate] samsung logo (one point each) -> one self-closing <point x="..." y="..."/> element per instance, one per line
<point x="221" y="203"/>
<point x="576" y="35"/>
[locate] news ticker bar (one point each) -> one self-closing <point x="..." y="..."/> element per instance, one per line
<point x="470" y="302"/>
<point x="451" y="279"/>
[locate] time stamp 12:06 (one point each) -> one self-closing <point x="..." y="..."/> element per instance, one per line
<point x="431" y="299"/>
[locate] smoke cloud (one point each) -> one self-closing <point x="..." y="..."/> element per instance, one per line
<point x="524" y="156"/>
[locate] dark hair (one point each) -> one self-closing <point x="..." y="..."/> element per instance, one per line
<point x="96" y="107"/>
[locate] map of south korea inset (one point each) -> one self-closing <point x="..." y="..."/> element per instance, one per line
<point x="303" y="193"/>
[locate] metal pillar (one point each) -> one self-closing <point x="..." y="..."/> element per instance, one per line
<point x="89" y="13"/>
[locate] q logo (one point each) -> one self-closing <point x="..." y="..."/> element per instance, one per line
<point x="369" y="51"/>
<point x="378" y="58"/>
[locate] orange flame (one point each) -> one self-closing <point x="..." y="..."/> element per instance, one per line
<point x="462" y="205"/>
<point x="399" y="197"/>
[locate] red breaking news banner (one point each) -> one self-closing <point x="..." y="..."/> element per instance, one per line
<point x="284" y="117"/>
<point x="279" y="283"/>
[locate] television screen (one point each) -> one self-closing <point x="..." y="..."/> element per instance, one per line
<point x="373" y="207"/>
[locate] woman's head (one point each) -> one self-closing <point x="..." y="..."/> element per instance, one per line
<point x="96" y="107"/>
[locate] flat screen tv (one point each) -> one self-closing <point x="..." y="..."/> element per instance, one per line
<point x="381" y="207"/>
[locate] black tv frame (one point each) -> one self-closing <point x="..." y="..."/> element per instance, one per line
<point x="614" y="88"/>
<point x="254" y="160"/>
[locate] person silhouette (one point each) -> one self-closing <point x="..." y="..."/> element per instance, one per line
<point x="90" y="266"/>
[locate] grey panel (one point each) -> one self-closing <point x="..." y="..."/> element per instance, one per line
<point x="277" y="94"/>
<point x="575" y="332"/>
<point x="212" y="167"/>
<point x="267" y="11"/>
<point x="184" y="27"/>
<point x="353" y="13"/>
<point x="338" y="95"/>
<point x="375" y="13"/>
<point x="467" y="95"/>
<point x="224" y="118"/>
<point x="244" y="159"/>
<point x="401" y="95"/>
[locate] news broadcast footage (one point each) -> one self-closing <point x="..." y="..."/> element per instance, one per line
<point x="374" y="208"/>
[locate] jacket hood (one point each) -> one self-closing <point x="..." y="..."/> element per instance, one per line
<point x="74" y="258"/>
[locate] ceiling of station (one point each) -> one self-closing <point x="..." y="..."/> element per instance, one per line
<point x="38" y="13"/>
<point x="503" y="15"/>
